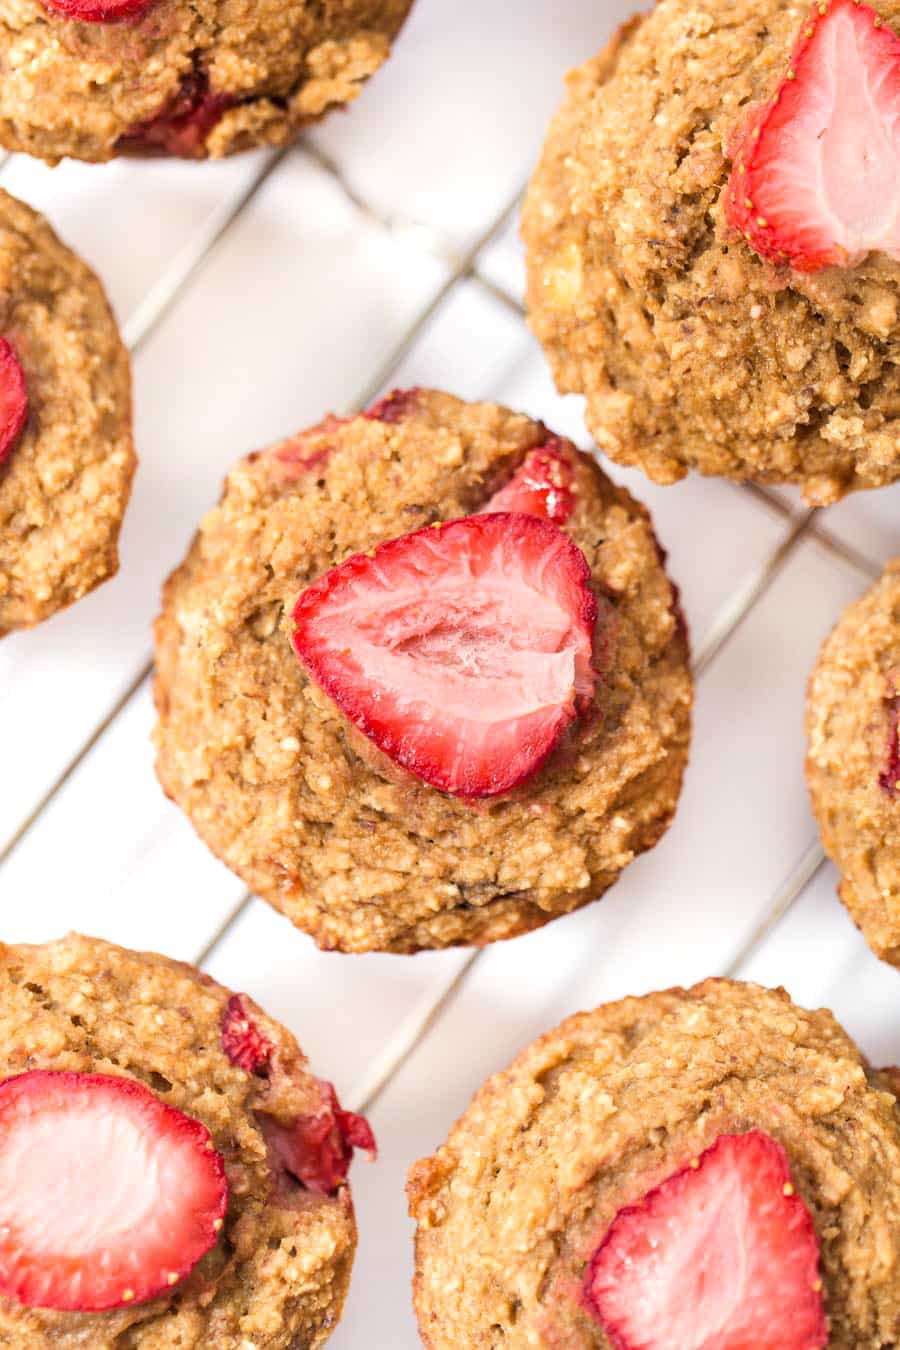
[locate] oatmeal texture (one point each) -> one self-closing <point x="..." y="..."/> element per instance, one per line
<point x="208" y="77"/>
<point x="66" y="483"/>
<point x="305" y="808"/>
<point x="610" y="1104"/>
<point x="693" y="352"/>
<point x="853" y="763"/>
<point x="278" y="1276"/>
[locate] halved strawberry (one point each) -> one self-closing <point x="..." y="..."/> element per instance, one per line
<point x="13" y="399"/>
<point x="816" y="175"/>
<point x="462" y="650"/>
<point x="243" y="1042"/>
<point x="100" y="11"/>
<point x="317" y="1150"/>
<point x="541" y="486"/>
<point x="107" y="1196"/>
<point x="889" y="778"/>
<point x="722" y="1256"/>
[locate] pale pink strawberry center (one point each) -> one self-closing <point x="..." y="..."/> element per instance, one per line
<point x="502" y="650"/>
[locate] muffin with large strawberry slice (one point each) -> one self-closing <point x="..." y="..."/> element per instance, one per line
<point x="66" y="451"/>
<point x="194" y="78"/>
<point x="703" y="1169"/>
<point x="171" y="1172"/>
<point x="853" y="760"/>
<point x="422" y="678"/>
<point x="713" y="241"/>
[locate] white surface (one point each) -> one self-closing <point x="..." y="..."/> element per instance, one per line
<point x="255" y="311"/>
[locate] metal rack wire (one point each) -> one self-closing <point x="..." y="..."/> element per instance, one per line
<point x="463" y="266"/>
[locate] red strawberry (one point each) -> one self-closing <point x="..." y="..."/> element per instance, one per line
<point x="107" y="1196"/>
<point x="889" y="778"/>
<point x="721" y="1256"/>
<point x="317" y="1150"/>
<point x="394" y="407"/>
<point x="100" y="11"/>
<point x="462" y="650"/>
<point x="542" y="486"/>
<point x="243" y="1042"/>
<point x="13" y="399"/>
<point x="816" y="174"/>
<point x="183" y="126"/>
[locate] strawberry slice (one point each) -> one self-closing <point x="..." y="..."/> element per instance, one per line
<point x="100" y="11"/>
<point x="107" y="1196"/>
<point x="462" y="650"/>
<point x="721" y="1256"/>
<point x="243" y="1042"/>
<point x="889" y="778"/>
<point x="317" y="1150"/>
<point x="542" y="486"/>
<point x="13" y="400"/>
<point x="816" y="175"/>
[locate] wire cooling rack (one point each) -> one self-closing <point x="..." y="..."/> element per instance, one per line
<point x="256" y="295"/>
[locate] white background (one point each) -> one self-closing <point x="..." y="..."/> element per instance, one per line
<point x="256" y="295"/>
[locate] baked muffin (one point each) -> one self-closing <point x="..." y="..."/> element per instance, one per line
<point x="485" y="713"/>
<point x="712" y="247"/>
<point x="703" y="1168"/>
<point x="853" y="764"/>
<point x="171" y="1173"/>
<point x="66" y="453"/>
<point x="97" y="78"/>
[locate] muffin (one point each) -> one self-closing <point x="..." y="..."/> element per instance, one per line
<point x="699" y="1168"/>
<point x="195" y="78"/>
<point x="711" y="245"/>
<point x="853" y="763"/>
<point x="422" y="679"/>
<point x="171" y="1173"/>
<point x="66" y="453"/>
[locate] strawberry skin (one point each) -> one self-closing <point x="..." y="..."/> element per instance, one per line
<point x="462" y="650"/>
<point x="542" y="486"/>
<point x="317" y="1149"/>
<point x="13" y="400"/>
<point x="815" y="180"/>
<point x="722" y="1256"/>
<point x="244" y="1044"/>
<point x="108" y="1197"/>
<point x="100" y="11"/>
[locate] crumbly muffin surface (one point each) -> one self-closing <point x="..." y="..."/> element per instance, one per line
<point x="692" y="351"/>
<point x="603" y="1109"/>
<point x="307" y="810"/>
<point x="278" y="1276"/>
<point x="853" y="762"/>
<point x="203" y="78"/>
<point x="66" y="483"/>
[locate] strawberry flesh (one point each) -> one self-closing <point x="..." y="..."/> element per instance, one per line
<point x="542" y="486"/>
<point x="108" y="1197"/>
<point x="100" y="11"/>
<point x="462" y="650"/>
<point x="889" y="778"/>
<point x="181" y="128"/>
<point x="722" y="1256"/>
<point x="243" y="1042"/>
<point x="816" y="175"/>
<point x="317" y="1150"/>
<point x="13" y="400"/>
<point x="394" y="407"/>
